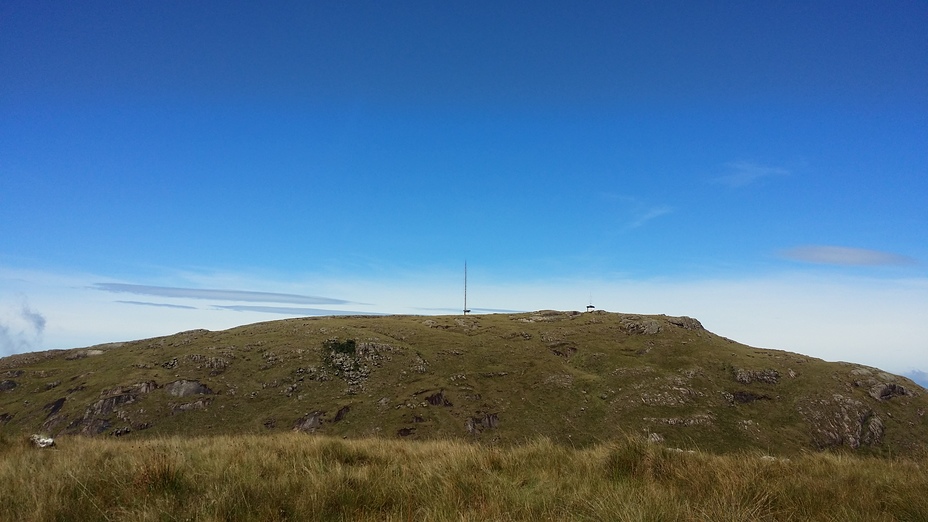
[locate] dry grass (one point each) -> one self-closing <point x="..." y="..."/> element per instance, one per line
<point x="299" y="477"/>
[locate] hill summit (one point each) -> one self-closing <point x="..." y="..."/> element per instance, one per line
<point x="574" y="378"/>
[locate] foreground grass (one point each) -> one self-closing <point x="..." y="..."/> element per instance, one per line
<point x="300" y="477"/>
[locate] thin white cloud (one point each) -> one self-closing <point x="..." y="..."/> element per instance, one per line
<point x="647" y="215"/>
<point x="743" y="173"/>
<point x="163" y="305"/>
<point x="219" y="295"/>
<point x="35" y="319"/>
<point x="21" y="330"/>
<point x="288" y="310"/>
<point x="847" y="256"/>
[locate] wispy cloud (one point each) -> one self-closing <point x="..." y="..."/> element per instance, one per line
<point x="647" y="215"/>
<point x="35" y="319"/>
<point x="217" y="295"/>
<point x="837" y="255"/>
<point x="22" y="332"/>
<point x="164" y="305"/>
<point x="743" y="173"/>
<point x="288" y="310"/>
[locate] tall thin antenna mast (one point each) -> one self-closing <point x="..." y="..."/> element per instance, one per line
<point x="466" y="311"/>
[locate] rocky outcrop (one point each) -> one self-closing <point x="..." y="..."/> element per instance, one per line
<point x="841" y="421"/>
<point x="439" y="399"/>
<point x="199" y="404"/>
<point x="98" y="416"/>
<point x="635" y="325"/>
<point x="476" y="425"/>
<point x="881" y="386"/>
<point x="687" y="323"/>
<point x="185" y="388"/>
<point x="767" y="376"/>
<point x="309" y="423"/>
<point x="7" y="385"/>
<point x="887" y="390"/>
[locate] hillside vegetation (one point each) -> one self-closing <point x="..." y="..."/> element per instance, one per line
<point x="575" y="380"/>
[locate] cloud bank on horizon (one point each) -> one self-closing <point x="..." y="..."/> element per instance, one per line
<point x="753" y="165"/>
<point x="837" y="255"/>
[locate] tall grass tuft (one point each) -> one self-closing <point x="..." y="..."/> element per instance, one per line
<point x="300" y="477"/>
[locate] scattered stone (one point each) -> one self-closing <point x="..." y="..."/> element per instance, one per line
<point x="655" y="437"/>
<point x="694" y="420"/>
<point x="560" y="380"/>
<point x="7" y="385"/>
<point x="199" y="404"/>
<point x="674" y="396"/>
<point x="5" y="417"/>
<point x="768" y="376"/>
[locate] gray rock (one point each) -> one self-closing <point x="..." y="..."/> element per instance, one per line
<point x="42" y="442"/>
<point x="199" y="404"/>
<point x="885" y="391"/>
<point x="768" y="376"/>
<point x="185" y="388"/>
<point x="641" y="326"/>
<point x="687" y="323"/>
<point x="310" y="422"/>
<point x="842" y="421"/>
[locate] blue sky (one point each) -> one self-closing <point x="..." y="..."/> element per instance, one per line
<point x="176" y="165"/>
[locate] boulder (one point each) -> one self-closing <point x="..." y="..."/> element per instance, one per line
<point x="185" y="388"/>
<point x="40" y="441"/>
<point x="887" y="390"/>
<point x="310" y="422"/>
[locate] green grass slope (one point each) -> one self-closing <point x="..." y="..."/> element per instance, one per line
<point x="575" y="379"/>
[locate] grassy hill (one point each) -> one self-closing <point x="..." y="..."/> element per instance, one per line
<point x="573" y="379"/>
